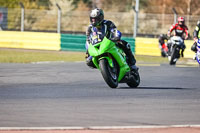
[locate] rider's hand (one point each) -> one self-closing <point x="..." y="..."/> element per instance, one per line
<point x="196" y="39"/>
<point x="186" y="37"/>
<point x="168" y="34"/>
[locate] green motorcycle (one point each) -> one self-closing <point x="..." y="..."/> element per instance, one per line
<point x="111" y="61"/>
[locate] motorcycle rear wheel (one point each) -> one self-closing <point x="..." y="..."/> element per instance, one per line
<point x="109" y="74"/>
<point x="135" y="81"/>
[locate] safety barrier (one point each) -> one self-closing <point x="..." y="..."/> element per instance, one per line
<point x="72" y="42"/>
<point x="188" y="52"/>
<point x="46" y="41"/>
<point x="150" y="46"/>
<point x="30" y="40"/>
<point x="147" y="46"/>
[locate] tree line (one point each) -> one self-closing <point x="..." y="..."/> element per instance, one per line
<point x="186" y="7"/>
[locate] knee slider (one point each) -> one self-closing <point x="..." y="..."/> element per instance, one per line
<point x="128" y="46"/>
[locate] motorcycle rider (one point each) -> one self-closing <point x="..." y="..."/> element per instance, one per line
<point x="161" y="40"/>
<point x="196" y="35"/>
<point x="106" y="28"/>
<point x="180" y="29"/>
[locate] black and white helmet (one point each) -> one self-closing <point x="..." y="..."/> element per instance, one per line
<point x="96" y="16"/>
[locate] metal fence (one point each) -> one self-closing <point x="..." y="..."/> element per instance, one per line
<point x="155" y="24"/>
<point x="77" y="21"/>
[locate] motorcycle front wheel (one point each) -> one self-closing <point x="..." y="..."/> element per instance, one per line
<point x="109" y="73"/>
<point x="174" y="56"/>
<point x="198" y="57"/>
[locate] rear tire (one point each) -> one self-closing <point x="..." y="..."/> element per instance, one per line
<point x="135" y="81"/>
<point x="163" y="53"/>
<point x="109" y="74"/>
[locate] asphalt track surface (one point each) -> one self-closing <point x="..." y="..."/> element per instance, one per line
<point x="73" y="95"/>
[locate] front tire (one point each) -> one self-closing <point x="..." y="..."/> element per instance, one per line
<point x="174" y="57"/>
<point x="109" y="74"/>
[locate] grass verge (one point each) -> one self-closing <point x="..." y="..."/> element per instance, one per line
<point x="28" y="56"/>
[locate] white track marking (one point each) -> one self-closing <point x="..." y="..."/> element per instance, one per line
<point x="98" y="127"/>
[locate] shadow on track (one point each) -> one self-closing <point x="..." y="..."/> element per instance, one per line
<point x="155" y="88"/>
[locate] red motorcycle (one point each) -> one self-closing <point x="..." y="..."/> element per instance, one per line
<point x="163" y="45"/>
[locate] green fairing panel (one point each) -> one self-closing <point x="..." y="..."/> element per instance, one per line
<point x="107" y="46"/>
<point x="93" y="50"/>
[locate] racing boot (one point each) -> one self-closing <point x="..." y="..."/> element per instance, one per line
<point x="195" y="56"/>
<point x="182" y="52"/>
<point x="131" y="61"/>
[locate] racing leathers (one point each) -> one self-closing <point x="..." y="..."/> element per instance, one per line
<point x="163" y="45"/>
<point x="196" y="35"/>
<point x="180" y="30"/>
<point x="107" y="28"/>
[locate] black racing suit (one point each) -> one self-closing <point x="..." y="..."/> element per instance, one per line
<point x="106" y="29"/>
<point x="196" y="34"/>
<point x="162" y="39"/>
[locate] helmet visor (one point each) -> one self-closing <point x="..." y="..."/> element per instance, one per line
<point x="95" y="20"/>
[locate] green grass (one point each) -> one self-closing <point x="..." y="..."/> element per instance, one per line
<point x="28" y="56"/>
<point x="150" y="59"/>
